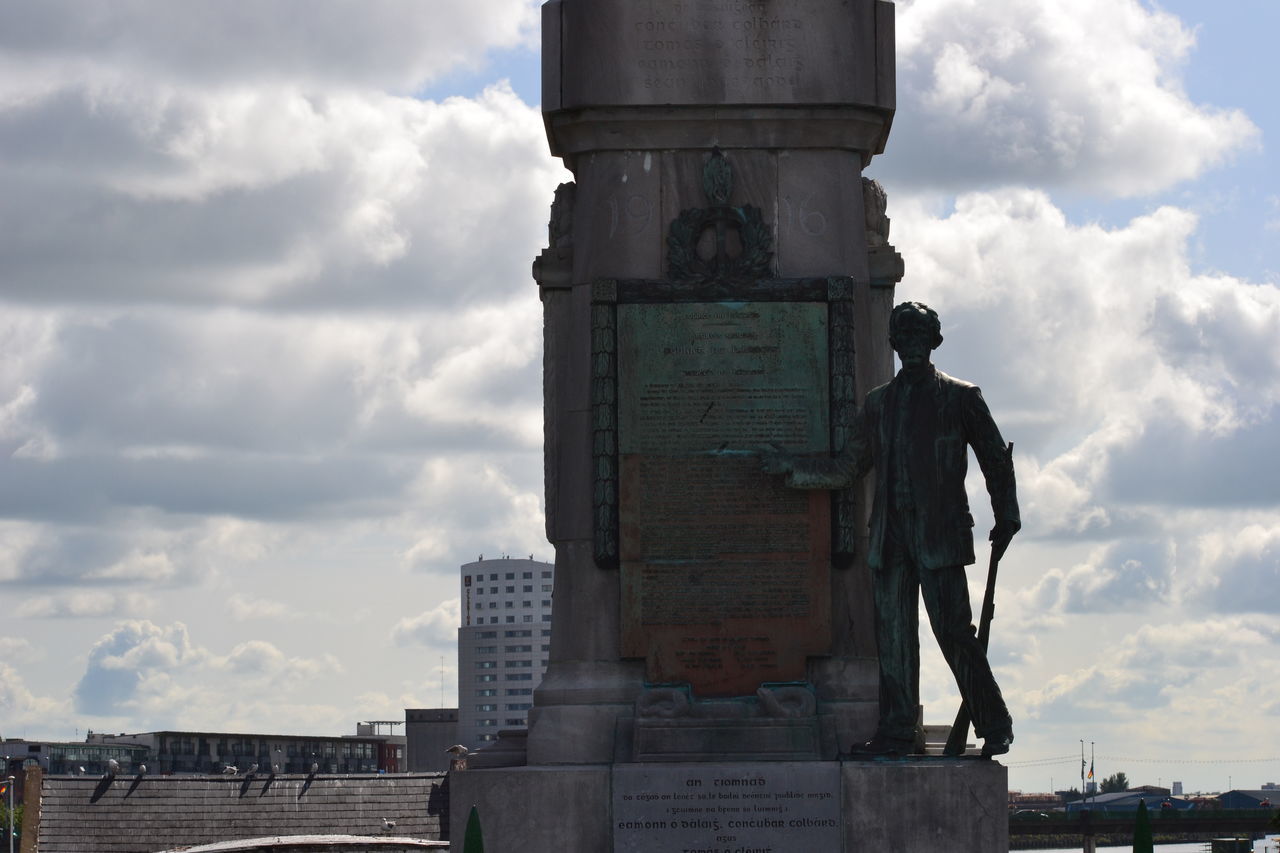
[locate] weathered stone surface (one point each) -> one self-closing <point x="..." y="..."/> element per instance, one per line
<point x="924" y="806"/>
<point x="535" y="809"/>
<point x="797" y="136"/>
<point x="619" y="225"/>
<point x="660" y="52"/>
<point x="917" y="806"/>
<point x="760" y="739"/>
<point x="820" y="220"/>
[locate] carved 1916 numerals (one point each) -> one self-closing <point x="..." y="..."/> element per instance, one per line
<point x="630" y="216"/>
<point x="805" y="217"/>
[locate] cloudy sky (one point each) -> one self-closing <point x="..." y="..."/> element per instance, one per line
<point x="269" y="356"/>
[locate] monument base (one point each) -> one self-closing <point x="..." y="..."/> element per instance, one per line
<point x="918" y="805"/>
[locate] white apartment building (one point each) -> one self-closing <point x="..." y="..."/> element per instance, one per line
<point x="503" y="644"/>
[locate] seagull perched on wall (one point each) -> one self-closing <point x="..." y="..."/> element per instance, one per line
<point x="229" y="770"/>
<point x="253" y="768"/>
<point x="458" y="751"/>
<point x="113" y="767"/>
<point x="142" y="770"/>
<point x="388" y="825"/>
<point x="80" y="770"/>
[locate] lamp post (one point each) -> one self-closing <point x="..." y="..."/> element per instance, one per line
<point x="11" y="781"/>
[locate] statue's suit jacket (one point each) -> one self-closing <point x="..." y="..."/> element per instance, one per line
<point x="948" y="418"/>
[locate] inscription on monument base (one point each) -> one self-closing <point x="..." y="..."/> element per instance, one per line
<point x="719" y="52"/>
<point x="725" y="573"/>
<point x="726" y="808"/>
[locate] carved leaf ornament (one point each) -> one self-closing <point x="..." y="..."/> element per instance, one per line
<point x="684" y="263"/>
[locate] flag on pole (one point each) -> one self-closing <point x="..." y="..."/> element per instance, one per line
<point x="1090" y="769"/>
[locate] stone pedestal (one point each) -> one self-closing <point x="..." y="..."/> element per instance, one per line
<point x="799" y="96"/>
<point x="914" y="806"/>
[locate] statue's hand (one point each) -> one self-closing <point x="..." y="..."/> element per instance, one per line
<point x="1002" y="535"/>
<point x="775" y="460"/>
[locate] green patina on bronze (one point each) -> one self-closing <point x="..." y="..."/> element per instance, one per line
<point x="916" y="433"/>
<point x="725" y="576"/>
<point x="755" y="255"/>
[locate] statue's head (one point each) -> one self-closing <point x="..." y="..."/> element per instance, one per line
<point x="914" y="332"/>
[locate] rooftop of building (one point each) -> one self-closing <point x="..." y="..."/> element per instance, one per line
<point x="137" y="814"/>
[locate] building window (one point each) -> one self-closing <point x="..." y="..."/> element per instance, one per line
<point x="527" y="588"/>
<point x="493" y="620"/>
<point x="486" y="677"/>
<point x="528" y="617"/>
<point x="510" y="604"/>
<point x="487" y="635"/>
<point x="546" y="602"/>
<point x="488" y="691"/>
<point x="511" y="618"/>
<point x="518" y="648"/>
<point x="519" y="676"/>
<point x="546" y="574"/>
<point x="527" y="575"/>
<point x="486" y="722"/>
<point x="546" y="632"/>
<point x="487" y="707"/>
<point x="515" y="721"/>
<point x="488" y="737"/>
<point x="519" y="706"/>
<point x="546" y="647"/>
<point x="511" y="589"/>
<point x="486" y="664"/>
<point x="519" y="632"/>
<point x="493" y="577"/>
<point x="546" y="587"/>
<point x="546" y="617"/>
<point x="517" y="664"/>
<point x="493" y="605"/>
<point x="545" y="662"/>
<point x="511" y="576"/>
<point x="519" y="691"/>
<point x="493" y="590"/>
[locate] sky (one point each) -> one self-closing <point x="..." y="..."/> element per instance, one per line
<point x="270" y="357"/>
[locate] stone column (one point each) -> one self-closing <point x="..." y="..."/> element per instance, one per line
<point x="799" y="95"/>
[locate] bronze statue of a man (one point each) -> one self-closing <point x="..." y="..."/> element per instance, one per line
<point x="916" y="431"/>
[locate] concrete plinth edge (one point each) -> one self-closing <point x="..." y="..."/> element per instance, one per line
<point x="913" y="806"/>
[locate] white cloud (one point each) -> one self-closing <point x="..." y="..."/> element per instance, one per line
<point x="273" y="196"/>
<point x="18" y="649"/>
<point x="1074" y="93"/>
<point x="1113" y="350"/>
<point x="435" y="627"/>
<point x="156" y="676"/>
<point x="398" y="44"/>
<point x="246" y="609"/>
<point x="88" y="604"/>
<point x="21" y="708"/>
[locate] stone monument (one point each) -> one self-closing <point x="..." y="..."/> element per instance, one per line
<point x="719" y="279"/>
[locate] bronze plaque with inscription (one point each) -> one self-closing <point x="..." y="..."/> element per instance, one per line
<point x="725" y="572"/>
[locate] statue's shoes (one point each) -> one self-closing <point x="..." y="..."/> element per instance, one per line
<point x="882" y="747"/>
<point x="998" y="743"/>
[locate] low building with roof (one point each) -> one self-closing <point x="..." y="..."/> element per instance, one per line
<point x="1127" y="801"/>
<point x="1264" y="798"/>
<point x="210" y="752"/>
<point x="145" y="813"/>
